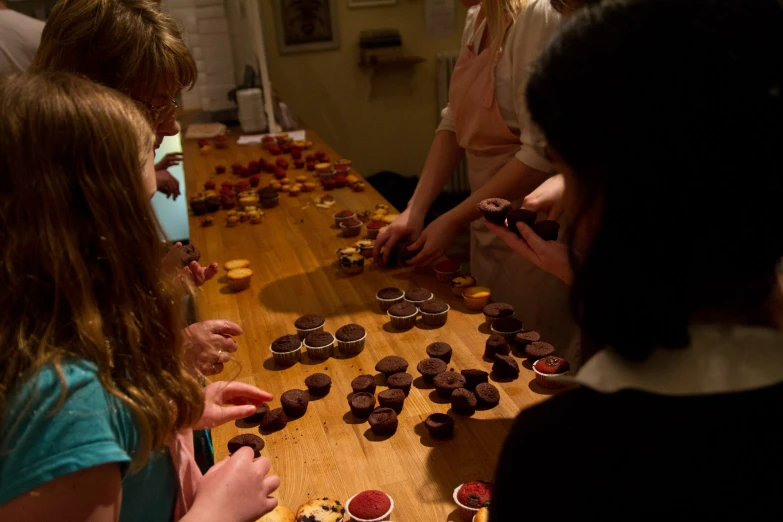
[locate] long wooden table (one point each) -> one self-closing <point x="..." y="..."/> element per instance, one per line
<point x="328" y="452"/>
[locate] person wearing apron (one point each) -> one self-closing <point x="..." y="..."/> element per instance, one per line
<point x="487" y="121"/>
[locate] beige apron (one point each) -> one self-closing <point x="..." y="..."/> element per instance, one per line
<point x="541" y="299"/>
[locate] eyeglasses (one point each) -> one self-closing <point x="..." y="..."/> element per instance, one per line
<point x="159" y="114"/>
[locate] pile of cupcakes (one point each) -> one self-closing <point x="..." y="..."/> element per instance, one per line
<point x="403" y="308"/>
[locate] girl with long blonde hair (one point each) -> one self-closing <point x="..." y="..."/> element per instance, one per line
<point x="93" y="382"/>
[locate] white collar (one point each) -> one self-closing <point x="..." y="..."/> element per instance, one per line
<point x="720" y="359"/>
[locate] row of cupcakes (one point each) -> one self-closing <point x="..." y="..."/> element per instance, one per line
<point x="403" y="308"/>
<point x="287" y="349"/>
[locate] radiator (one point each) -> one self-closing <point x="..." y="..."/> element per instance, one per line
<point x="446" y="62"/>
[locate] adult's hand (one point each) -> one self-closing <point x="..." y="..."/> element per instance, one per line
<point x="167" y="184"/>
<point x="550" y="256"/>
<point x="169" y="160"/>
<point x="547" y="198"/>
<point x="244" y="398"/>
<point x="434" y="240"/>
<point x="235" y="477"/>
<point x="406" y="225"/>
<point x="209" y="344"/>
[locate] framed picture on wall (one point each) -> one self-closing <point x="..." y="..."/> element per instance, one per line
<point x="370" y="3"/>
<point x="306" y="25"/>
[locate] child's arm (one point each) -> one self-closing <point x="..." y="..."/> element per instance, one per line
<point x="88" y="495"/>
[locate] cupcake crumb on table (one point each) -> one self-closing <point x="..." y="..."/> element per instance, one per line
<point x="487" y="395"/>
<point x="391" y="364"/>
<point x="383" y="421"/>
<point x="249" y="440"/>
<point x="439" y="426"/>
<point x="440" y="350"/>
<point x="400" y="381"/>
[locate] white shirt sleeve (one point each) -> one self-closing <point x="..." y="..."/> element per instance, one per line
<point x="446" y="121"/>
<point x="526" y="39"/>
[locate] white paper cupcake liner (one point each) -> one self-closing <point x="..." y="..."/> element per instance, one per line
<point x="403" y="323"/>
<point x="438" y="319"/>
<point x="286" y="358"/>
<point x="352" y="347"/>
<point x="552" y="380"/>
<point x="465" y="512"/>
<point x="323" y="352"/>
<point x="385" y="304"/>
<point x="384" y="518"/>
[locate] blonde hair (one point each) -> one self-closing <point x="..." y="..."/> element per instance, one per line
<point x="495" y="13"/>
<point x="128" y="45"/>
<point x="80" y="270"/>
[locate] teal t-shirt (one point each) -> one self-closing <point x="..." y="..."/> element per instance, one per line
<point x="91" y="428"/>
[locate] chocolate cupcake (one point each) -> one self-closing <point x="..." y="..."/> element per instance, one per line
<point x="188" y="254"/>
<point x="439" y="425"/>
<point x="429" y="368"/>
<point x="447" y="382"/>
<point x="487" y="395"/>
<point x="463" y="402"/>
<point x="496" y="344"/>
<point x="403" y="315"/>
<point x="518" y="215"/>
<point x="274" y="420"/>
<point x="391" y="364"/>
<point x="318" y="384"/>
<point x="362" y="404"/>
<point x="474" y="377"/>
<point x="495" y="210"/>
<point x="294" y="403"/>
<point x="257" y="417"/>
<point x="418" y="295"/>
<point x="508" y="327"/>
<point x="387" y="297"/>
<point x="434" y="312"/>
<point x="506" y="366"/>
<point x="392" y="398"/>
<point x="440" y="351"/>
<point x="250" y="440"/>
<point x="526" y="337"/>
<point x="363" y="383"/>
<point x="400" y="381"/>
<point x="494" y="311"/>
<point x="319" y="345"/>
<point x="351" y="338"/>
<point x="286" y="349"/>
<point x="539" y="349"/>
<point x="403" y="254"/>
<point x="308" y="324"/>
<point x="547" y="230"/>
<point x="383" y="421"/>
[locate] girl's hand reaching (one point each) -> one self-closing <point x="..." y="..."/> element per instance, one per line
<point x="243" y="397"/>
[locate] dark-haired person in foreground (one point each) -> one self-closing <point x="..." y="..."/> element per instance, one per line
<point x="661" y="113"/>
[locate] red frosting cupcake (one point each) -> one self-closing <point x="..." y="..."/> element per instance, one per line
<point x="475" y="494"/>
<point x="209" y="185"/>
<point x="280" y="173"/>
<point x="369" y="505"/>
<point x="552" y="365"/>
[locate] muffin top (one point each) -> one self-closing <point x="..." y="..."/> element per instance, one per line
<point x="418" y="294"/>
<point x="404" y="309"/>
<point x="286" y="343"/>
<point x="390" y="293"/>
<point x="433" y="306"/>
<point x="309" y="321"/>
<point x="350" y="332"/>
<point x="477" y="292"/>
<point x="319" y="339"/>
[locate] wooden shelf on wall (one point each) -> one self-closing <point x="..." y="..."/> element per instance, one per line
<point x="402" y="62"/>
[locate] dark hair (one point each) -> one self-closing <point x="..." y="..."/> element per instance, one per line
<point x="669" y="112"/>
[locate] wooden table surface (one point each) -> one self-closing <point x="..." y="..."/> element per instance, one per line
<point x="328" y="452"/>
